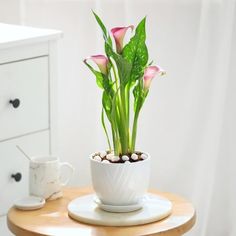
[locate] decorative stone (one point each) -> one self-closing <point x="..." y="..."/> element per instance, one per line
<point x="125" y="158"/>
<point x="97" y="158"/>
<point x="144" y="156"/>
<point x="110" y="156"/>
<point x="127" y="162"/>
<point x="105" y="161"/>
<point x="103" y="154"/>
<point x="134" y="157"/>
<point x="115" y="158"/>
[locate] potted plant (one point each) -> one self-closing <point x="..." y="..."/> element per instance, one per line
<point x="120" y="175"/>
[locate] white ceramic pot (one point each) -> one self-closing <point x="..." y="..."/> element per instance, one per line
<point x="120" y="183"/>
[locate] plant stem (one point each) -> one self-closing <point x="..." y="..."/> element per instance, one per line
<point x="125" y="120"/>
<point x="121" y="105"/>
<point x="105" y="129"/>
<point x="114" y="125"/>
<point x="134" y="131"/>
<point x="135" y="123"/>
<point x="127" y="98"/>
<point x="114" y="139"/>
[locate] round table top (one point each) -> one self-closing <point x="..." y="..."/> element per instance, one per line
<point x="53" y="219"/>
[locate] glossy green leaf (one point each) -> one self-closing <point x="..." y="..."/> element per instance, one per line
<point x="136" y="53"/>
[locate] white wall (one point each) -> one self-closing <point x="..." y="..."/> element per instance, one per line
<point x="10" y="11"/>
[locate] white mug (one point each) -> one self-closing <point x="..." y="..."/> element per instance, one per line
<point x="45" y="177"/>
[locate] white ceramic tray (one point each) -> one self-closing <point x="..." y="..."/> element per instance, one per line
<point x="85" y="210"/>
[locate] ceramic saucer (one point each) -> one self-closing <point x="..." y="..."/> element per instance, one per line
<point x="84" y="209"/>
<point x="29" y="203"/>
<point x="118" y="209"/>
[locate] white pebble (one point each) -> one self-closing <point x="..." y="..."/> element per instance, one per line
<point x="127" y="162"/>
<point x="97" y="158"/>
<point x="105" y="161"/>
<point x="103" y="154"/>
<point x="134" y="157"/>
<point x="144" y="156"/>
<point x="115" y="158"/>
<point x="110" y="156"/>
<point x="125" y="158"/>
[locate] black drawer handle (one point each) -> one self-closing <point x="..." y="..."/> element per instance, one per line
<point x="17" y="177"/>
<point x="15" y="103"/>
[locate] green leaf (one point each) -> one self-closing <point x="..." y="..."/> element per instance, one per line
<point x="98" y="75"/>
<point x="102" y="80"/>
<point x="136" y="93"/>
<point x="136" y="53"/>
<point x="124" y="68"/>
<point x="100" y="24"/>
<point x="139" y="96"/>
<point x="106" y="35"/>
<point x="108" y="49"/>
<point x="99" y="80"/>
<point x="107" y="104"/>
<point x="107" y="38"/>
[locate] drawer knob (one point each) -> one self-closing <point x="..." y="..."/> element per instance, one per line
<point x="15" y="103"/>
<point x="17" y="177"/>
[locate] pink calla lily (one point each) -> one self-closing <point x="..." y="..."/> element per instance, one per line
<point x="149" y="73"/>
<point x="119" y="34"/>
<point x="101" y="62"/>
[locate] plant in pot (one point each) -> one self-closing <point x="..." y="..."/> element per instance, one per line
<point x="120" y="175"/>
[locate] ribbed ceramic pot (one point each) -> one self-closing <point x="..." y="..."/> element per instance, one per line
<point x="120" y="184"/>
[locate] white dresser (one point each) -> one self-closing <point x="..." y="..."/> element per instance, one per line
<point x="27" y="106"/>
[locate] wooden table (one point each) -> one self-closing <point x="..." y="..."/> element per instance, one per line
<point x="53" y="219"/>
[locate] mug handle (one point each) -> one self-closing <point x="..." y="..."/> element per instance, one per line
<point x="71" y="168"/>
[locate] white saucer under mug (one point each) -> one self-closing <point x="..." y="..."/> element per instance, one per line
<point x="29" y="203"/>
<point x="85" y="210"/>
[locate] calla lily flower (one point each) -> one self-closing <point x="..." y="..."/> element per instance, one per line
<point x="101" y="62"/>
<point x="119" y="34"/>
<point x="149" y="73"/>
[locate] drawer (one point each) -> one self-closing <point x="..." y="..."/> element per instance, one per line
<point x="26" y="81"/>
<point x="12" y="162"/>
